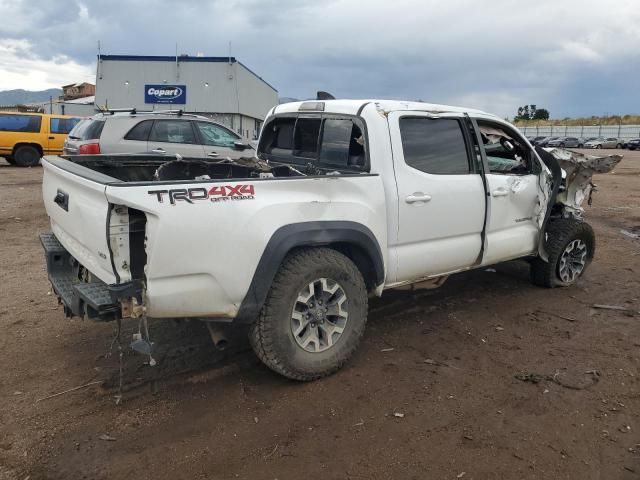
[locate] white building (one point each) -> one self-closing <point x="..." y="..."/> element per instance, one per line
<point x="219" y="87"/>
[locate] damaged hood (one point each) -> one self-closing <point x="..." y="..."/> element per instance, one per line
<point x="579" y="168"/>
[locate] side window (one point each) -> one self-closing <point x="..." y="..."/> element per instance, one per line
<point x="434" y="146"/>
<point x="140" y="132"/>
<point x="212" y="134"/>
<point x="20" y="123"/>
<point x="342" y="143"/>
<point x="62" y="125"/>
<point x="172" y="131"/>
<point x="506" y="152"/>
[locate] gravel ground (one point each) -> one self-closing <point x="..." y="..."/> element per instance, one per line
<point x="431" y="393"/>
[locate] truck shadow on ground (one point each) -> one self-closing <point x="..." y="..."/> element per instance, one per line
<point x="184" y="348"/>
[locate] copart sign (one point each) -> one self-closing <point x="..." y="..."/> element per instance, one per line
<point x="165" y="94"/>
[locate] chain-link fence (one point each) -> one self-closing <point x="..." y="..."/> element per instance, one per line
<point x="623" y="132"/>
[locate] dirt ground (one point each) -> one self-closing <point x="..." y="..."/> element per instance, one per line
<point x="431" y="393"/>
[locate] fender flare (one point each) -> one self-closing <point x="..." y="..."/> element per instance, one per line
<point x="306" y="234"/>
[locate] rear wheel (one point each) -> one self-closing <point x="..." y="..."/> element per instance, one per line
<point x="26" y="156"/>
<point x="598" y="146"/>
<point x="570" y="245"/>
<point x="313" y="317"/>
<point x="580" y="145"/>
<point x="562" y="145"/>
<point x="619" y="145"/>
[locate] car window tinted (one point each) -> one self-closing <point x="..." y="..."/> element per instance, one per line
<point x="342" y="143"/>
<point x="88" y="129"/>
<point x="434" y="145"/>
<point x="172" y="131"/>
<point x="63" y="125"/>
<point x="140" y="132"/>
<point x="305" y="139"/>
<point x="20" y="123"/>
<point x="212" y="134"/>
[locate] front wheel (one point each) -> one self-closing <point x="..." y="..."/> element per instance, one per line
<point x="619" y="146"/>
<point x="598" y="146"/>
<point x="313" y="317"/>
<point x="580" y="145"/>
<point x="570" y="245"/>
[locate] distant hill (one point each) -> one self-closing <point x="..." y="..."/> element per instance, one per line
<point x="20" y="96"/>
<point x="282" y="100"/>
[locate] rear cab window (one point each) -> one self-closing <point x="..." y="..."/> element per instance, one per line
<point x="324" y="141"/>
<point x="20" y="123"/>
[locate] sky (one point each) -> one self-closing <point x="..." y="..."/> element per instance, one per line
<point x="573" y="57"/>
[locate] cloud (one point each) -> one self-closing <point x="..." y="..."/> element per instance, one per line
<point x="22" y="68"/>
<point x="494" y="54"/>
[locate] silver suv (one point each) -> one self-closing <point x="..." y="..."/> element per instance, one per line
<point x="155" y="132"/>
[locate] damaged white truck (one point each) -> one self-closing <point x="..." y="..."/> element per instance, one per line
<point x="346" y="199"/>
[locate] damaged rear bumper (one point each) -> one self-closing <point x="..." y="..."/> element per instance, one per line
<point x="79" y="296"/>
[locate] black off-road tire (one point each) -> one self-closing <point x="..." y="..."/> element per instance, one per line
<point x="271" y="336"/>
<point x="26" y="156"/>
<point x="560" y="233"/>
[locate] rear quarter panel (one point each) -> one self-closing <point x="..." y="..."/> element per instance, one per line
<point x="201" y="256"/>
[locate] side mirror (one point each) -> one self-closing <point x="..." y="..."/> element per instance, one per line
<point x="240" y="145"/>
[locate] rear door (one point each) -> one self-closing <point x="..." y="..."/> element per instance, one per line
<point x="58" y="129"/>
<point x="175" y="136"/>
<point x="441" y="196"/>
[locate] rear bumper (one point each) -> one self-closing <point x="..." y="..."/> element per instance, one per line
<point x="95" y="299"/>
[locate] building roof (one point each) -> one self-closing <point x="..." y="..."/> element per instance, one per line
<point x="180" y="58"/>
<point x="83" y="100"/>
<point x="77" y="84"/>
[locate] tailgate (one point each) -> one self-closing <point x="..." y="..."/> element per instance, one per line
<point x="79" y="211"/>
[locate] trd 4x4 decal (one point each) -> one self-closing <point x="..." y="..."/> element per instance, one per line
<point x="217" y="193"/>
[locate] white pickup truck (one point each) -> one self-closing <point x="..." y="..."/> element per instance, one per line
<point x="347" y="198"/>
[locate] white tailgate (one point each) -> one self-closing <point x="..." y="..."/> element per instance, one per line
<point x="82" y="230"/>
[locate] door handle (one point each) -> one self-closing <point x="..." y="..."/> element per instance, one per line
<point x="417" y="197"/>
<point x="158" y="150"/>
<point x="500" y="192"/>
<point x="52" y="138"/>
<point x="212" y="154"/>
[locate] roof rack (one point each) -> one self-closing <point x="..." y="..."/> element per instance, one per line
<point x="134" y="111"/>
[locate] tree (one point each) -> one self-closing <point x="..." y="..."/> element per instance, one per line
<point x="541" y="114"/>
<point x="531" y="112"/>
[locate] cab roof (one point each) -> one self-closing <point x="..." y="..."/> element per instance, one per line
<point x="353" y="107"/>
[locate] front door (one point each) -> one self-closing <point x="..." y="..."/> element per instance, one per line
<point x="441" y="197"/>
<point x="513" y="182"/>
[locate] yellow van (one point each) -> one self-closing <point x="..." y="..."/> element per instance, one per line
<point x="27" y="137"/>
